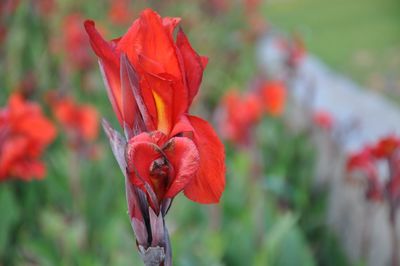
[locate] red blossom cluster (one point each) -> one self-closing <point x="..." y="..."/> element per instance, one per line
<point x="79" y="121"/>
<point x="386" y="150"/>
<point x="120" y="12"/>
<point x="76" y="43"/>
<point x="24" y="134"/>
<point x="323" y="119"/>
<point x="240" y="113"/>
<point x="294" y="48"/>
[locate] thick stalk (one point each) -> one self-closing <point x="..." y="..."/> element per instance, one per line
<point x="158" y="255"/>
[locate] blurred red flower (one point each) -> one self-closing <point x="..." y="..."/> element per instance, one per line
<point x="393" y="185"/>
<point x="363" y="162"/>
<point x="297" y="50"/>
<point x="44" y="7"/>
<point x="252" y="5"/>
<point x="386" y="146"/>
<point x="120" y="12"/>
<point x="388" y="150"/>
<point x="24" y="134"/>
<point x="323" y="119"/>
<point x="151" y="80"/>
<point x="76" y="42"/>
<point x="8" y="7"/>
<point x="274" y="97"/>
<point x="218" y="6"/>
<point x="80" y="121"/>
<point x="3" y="33"/>
<point x="240" y="114"/>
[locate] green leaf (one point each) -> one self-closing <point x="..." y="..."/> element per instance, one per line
<point x="9" y="215"/>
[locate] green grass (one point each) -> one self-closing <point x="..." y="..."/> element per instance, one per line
<point x="358" y="37"/>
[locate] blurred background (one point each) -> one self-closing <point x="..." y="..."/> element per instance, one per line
<point x="294" y="88"/>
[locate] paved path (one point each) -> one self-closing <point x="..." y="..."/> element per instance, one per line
<point x="361" y="226"/>
<point x="345" y="100"/>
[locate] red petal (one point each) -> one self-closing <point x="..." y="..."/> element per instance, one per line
<point x="182" y="153"/>
<point x="140" y="153"/>
<point x="13" y="150"/>
<point x="170" y="24"/>
<point x="163" y="94"/>
<point x="148" y="36"/>
<point x="135" y="112"/>
<point x="193" y="65"/>
<point x="204" y="61"/>
<point x="209" y="183"/>
<point x="28" y="169"/>
<point x="109" y="66"/>
<point x="182" y="126"/>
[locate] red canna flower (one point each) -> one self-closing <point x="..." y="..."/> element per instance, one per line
<point x="8" y="7"/>
<point x="120" y="12"/>
<point x="393" y="185"/>
<point x="274" y="97"/>
<point x="80" y="121"/>
<point x="323" y="119"/>
<point x="24" y="134"/>
<point x="151" y="80"/>
<point x="241" y="113"/>
<point x="44" y="7"/>
<point x="388" y="150"/>
<point x="252" y="5"/>
<point x="76" y="42"/>
<point x="297" y="50"/>
<point x="218" y="6"/>
<point x="363" y="161"/>
<point x="386" y="146"/>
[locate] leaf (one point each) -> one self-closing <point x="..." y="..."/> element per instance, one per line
<point x="10" y="214"/>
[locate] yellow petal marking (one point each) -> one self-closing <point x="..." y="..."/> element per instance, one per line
<point x="161" y="113"/>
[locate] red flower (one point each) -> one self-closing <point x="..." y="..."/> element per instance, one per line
<point x="120" y="12"/>
<point x="297" y="50"/>
<point x="237" y="125"/>
<point x="8" y="7"/>
<point x="323" y="119"/>
<point x="218" y="6"/>
<point x="76" y="42"/>
<point x="364" y="161"/>
<point x="393" y="185"/>
<point x="80" y="121"/>
<point x="45" y="7"/>
<point x="274" y="96"/>
<point x="151" y="80"/>
<point x="386" y="146"/>
<point x="24" y="134"/>
<point x="252" y="5"/>
<point x="159" y="79"/>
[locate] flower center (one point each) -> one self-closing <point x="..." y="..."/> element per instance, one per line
<point x="159" y="176"/>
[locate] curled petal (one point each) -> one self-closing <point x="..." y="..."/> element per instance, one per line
<point x="182" y="153"/>
<point x="139" y="156"/>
